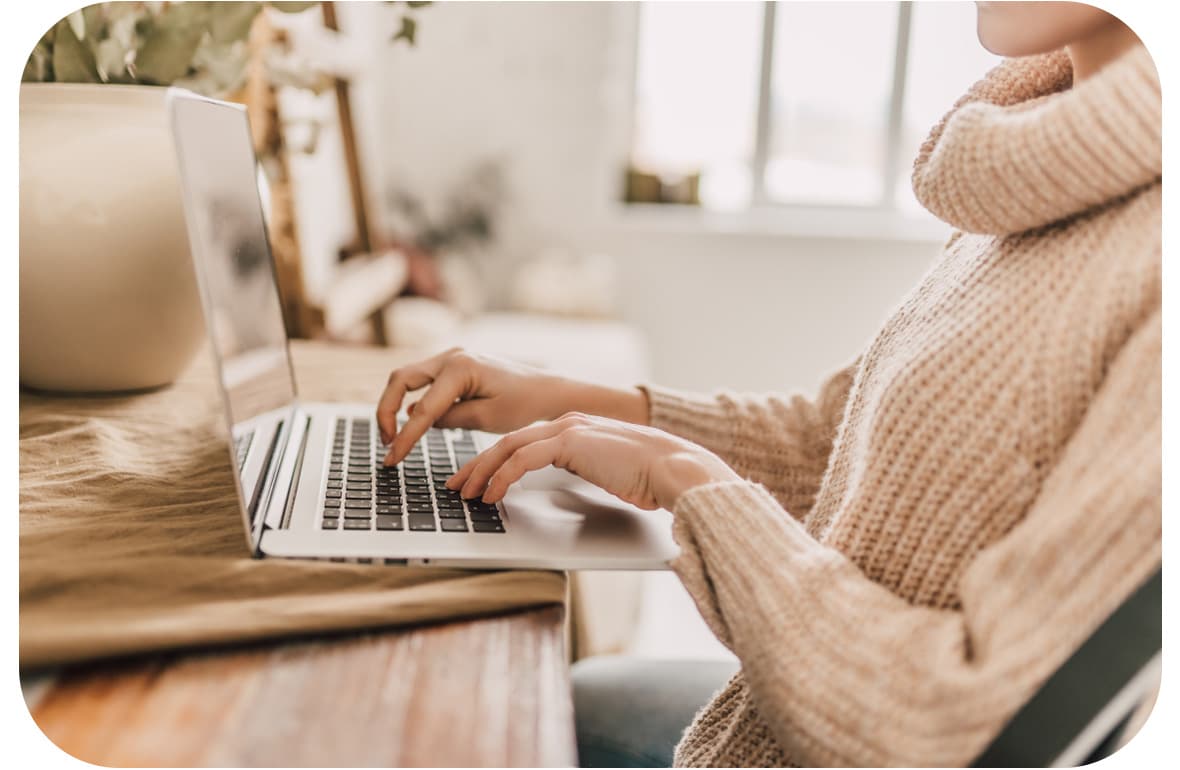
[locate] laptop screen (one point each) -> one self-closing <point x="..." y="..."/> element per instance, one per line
<point x="229" y="242"/>
<point x="243" y="313"/>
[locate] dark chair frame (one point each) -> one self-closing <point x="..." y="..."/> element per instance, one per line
<point x="1080" y="714"/>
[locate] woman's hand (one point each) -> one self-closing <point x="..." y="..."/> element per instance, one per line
<point x="480" y="393"/>
<point x="643" y="466"/>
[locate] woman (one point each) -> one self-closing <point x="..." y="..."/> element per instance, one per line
<point x="899" y="563"/>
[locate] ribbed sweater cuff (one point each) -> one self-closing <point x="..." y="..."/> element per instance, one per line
<point x="701" y="420"/>
<point x="718" y="526"/>
<point x="732" y="519"/>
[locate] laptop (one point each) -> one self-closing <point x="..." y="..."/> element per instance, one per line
<point x="310" y="479"/>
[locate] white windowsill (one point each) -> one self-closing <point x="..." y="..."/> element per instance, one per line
<point x="847" y="223"/>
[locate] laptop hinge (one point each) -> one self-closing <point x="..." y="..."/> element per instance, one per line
<point x="296" y="473"/>
<point x="286" y="478"/>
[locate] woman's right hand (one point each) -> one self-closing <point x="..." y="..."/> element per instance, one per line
<point x="482" y="393"/>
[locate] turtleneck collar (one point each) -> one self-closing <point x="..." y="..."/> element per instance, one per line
<point x="1025" y="147"/>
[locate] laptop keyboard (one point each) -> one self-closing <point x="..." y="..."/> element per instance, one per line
<point x="362" y="494"/>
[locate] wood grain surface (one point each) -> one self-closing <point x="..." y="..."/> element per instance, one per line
<point x="491" y="692"/>
<point x="487" y="692"/>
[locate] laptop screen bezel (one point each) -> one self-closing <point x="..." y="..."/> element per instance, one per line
<point x="177" y="100"/>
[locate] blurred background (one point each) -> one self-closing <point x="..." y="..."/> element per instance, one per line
<point x="704" y="194"/>
<point x="729" y="180"/>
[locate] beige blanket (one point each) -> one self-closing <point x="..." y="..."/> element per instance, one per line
<point x="131" y="541"/>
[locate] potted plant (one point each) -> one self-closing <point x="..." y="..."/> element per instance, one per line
<point x="108" y="300"/>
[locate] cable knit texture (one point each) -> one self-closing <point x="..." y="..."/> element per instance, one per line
<point x="918" y="548"/>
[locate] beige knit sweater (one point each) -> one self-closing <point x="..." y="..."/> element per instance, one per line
<point x="917" y="549"/>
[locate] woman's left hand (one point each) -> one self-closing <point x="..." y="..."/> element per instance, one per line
<point x="643" y="466"/>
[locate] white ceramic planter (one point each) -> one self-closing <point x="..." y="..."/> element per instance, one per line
<point x="108" y="297"/>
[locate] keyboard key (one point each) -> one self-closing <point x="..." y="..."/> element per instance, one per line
<point x="357" y="513"/>
<point x="421" y="522"/>
<point x="392" y="523"/>
<point x="453" y="525"/>
<point x="330" y="523"/>
<point x="482" y="526"/>
<point x="357" y="524"/>
<point x="335" y="484"/>
<point x="451" y="513"/>
<point x="365" y="504"/>
<point x="350" y="495"/>
<point x="332" y="494"/>
<point x="335" y="476"/>
<point x="484" y="515"/>
<point x="389" y="509"/>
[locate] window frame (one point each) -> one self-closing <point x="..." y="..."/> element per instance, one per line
<point x="764" y="215"/>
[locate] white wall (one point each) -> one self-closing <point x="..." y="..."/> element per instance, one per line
<point x="545" y="86"/>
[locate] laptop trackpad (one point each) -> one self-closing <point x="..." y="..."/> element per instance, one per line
<point x="552" y="492"/>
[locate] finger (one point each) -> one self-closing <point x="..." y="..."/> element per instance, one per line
<point x="447" y="386"/>
<point x="535" y="456"/>
<point x="476" y="473"/>
<point x="400" y="382"/>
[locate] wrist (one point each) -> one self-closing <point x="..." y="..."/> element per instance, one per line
<point x="623" y="404"/>
<point x="679" y="472"/>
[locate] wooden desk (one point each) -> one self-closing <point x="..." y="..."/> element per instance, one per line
<point x="491" y="692"/>
<point x="488" y="692"/>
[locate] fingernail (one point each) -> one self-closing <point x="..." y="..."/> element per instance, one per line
<point x="450" y="483"/>
<point x="388" y="457"/>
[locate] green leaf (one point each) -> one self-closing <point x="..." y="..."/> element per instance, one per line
<point x="94" y="20"/>
<point x="111" y="57"/>
<point x="231" y="21"/>
<point x="39" y="67"/>
<point x="170" y="42"/>
<point x="217" y="68"/>
<point x="73" y="62"/>
<point x="292" y="7"/>
<point x="77" y="24"/>
<point x="408" y="31"/>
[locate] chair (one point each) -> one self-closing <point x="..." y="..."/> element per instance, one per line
<point x="1091" y="706"/>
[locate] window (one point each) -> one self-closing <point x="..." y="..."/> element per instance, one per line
<point x="817" y="104"/>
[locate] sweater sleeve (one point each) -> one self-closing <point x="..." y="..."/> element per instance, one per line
<point x="781" y="442"/>
<point x="844" y="672"/>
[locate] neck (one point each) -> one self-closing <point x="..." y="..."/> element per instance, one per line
<point x="1104" y="45"/>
